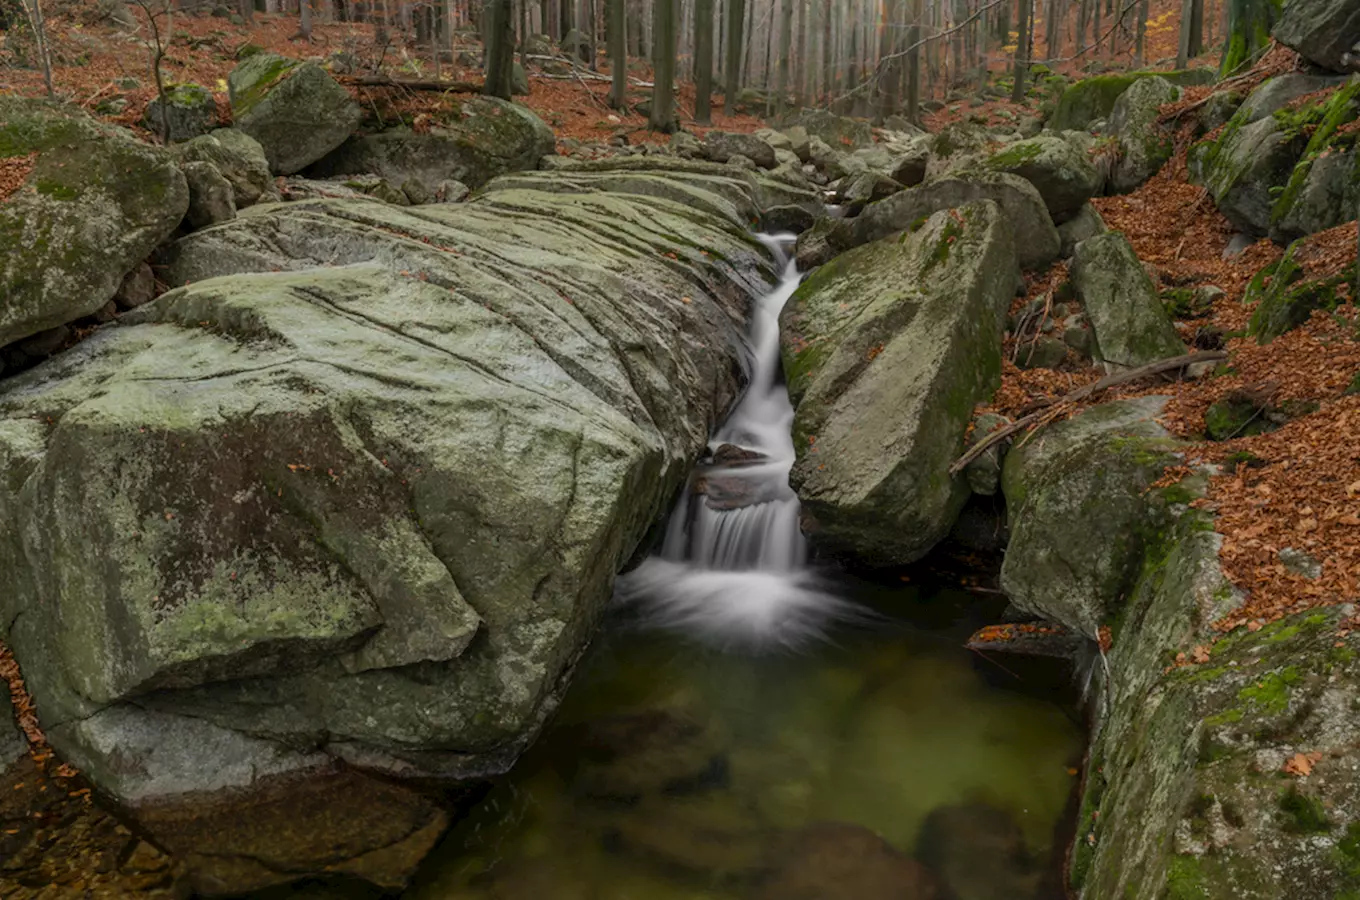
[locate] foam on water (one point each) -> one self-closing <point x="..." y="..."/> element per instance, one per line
<point x="739" y="575"/>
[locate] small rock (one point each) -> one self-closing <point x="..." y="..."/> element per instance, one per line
<point x="44" y="343"/>
<point x="721" y="146"/>
<point x="1041" y="353"/>
<point x="138" y="287"/>
<point x="1237" y="245"/>
<point x="451" y="192"/>
<point x="210" y="195"/>
<point x="1300" y="563"/>
<point x="742" y="162"/>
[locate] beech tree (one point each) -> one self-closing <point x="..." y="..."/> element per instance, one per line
<point x="500" y="47"/>
<point x="663" y="63"/>
<point x="703" y="60"/>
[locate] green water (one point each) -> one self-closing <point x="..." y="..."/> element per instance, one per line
<point x="678" y="771"/>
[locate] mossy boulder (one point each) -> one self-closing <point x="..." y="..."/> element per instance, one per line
<point x="1246" y="167"/>
<point x="1018" y="199"/>
<point x="484" y="138"/>
<point x="294" y="109"/>
<point x="190" y="110"/>
<point x="1236" y="415"/>
<point x="1308" y="199"/>
<point x="837" y="131"/>
<point x="240" y="159"/>
<point x="1274" y="94"/>
<point x="1322" y="31"/>
<point x="1131" y="325"/>
<point x="1087" y="223"/>
<point x="1284" y="297"/>
<point x="720" y="146"/>
<point x="1080" y="511"/>
<point x="210" y="196"/>
<point x="1061" y="173"/>
<point x="887" y="350"/>
<point x="236" y="530"/>
<point x="1094" y="98"/>
<point x="95" y="205"/>
<point x="1144" y="145"/>
<point x="1190" y="790"/>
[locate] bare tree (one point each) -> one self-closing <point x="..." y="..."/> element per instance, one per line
<point x="38" y="25"/>
<point x="736" y="19"/>
<point x="1022" y="51"/>
<point x="155" y="10"/>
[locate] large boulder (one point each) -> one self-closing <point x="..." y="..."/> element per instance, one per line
<point x="1131" y="325"/>
<point x="1276" y="93"/>
<point x="294" y="551"/>
<point x="1327" y="196"/>
<point x="1144" y="145"/>
<point x="1323" y="31"/>
<point x="189" y="110"/>
<point x="294" y="109"/>
<point x="887" y="350"/>
<point x="1237" y="778"/>
<point x="838" y="131"/>
<point x="723" y="145"/>
<point x="1059" y="170"/>
<point x="1090" y="99"/>
<point x="483" y="138"/>
<point x="1077" y="494"/>
<point x="94" y="205"/>
<point x="238" y="157"/>
<point x="1245" y="168"/>
<point x="1037" y="246"/>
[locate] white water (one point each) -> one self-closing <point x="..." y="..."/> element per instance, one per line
<point x="739" y="575"/>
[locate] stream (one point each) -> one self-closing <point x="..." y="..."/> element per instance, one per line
<point x="749" y="726"/>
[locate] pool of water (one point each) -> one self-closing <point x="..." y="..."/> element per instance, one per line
<point x="882" y="762"/>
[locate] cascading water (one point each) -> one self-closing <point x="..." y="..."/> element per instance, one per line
<point x="733" y="564"/>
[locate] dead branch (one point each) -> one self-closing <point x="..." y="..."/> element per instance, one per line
<point x="1051" y="410"/>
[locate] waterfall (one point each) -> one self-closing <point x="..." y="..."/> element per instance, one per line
<point x="733" y="563"/>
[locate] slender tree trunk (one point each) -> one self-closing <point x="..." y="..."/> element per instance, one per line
<point x="887" y="66"/>
<point x="1022" y="52"/>
<point x="500" y="48"/>
<point x="663" y="62"/>
<point x="736" y="18"/>
<point x="305" y="20"/>
<point x="1140" y="40"/>
<point x="800" y="77"/>
<point x="914" y="64"/>
<point x="703" y="61"/>
<point x="828" y="51"/>
<point x="749" y="76"/>
<point x="785" y="52"/>
<point x="618" y="53"/>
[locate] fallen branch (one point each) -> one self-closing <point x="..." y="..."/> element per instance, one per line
<point x="457" y="87"/>
<point x="1050" y="410"/>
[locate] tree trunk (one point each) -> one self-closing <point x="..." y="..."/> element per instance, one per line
<point x="703" y="61"/>
<point x="785" y="52"/>
<point x="800" y="77"/>
<point x="914" y="64"/>
<point x="1140" y="42"/>
<point x="500" y="48"/>
<point x="1249" y="26"/>
<point x="305" y="20"/>
<point x="828" y="51"/>
<point x="888" y="79"/>
<point x="618" y="53"/>
<point x="1022" y="52"/>
<point x="663" y="62"/>
<point x="736" y="18"/>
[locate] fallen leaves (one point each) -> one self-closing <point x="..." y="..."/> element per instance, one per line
<point x="13" y="172"/>
<point x="1301" y="764"/>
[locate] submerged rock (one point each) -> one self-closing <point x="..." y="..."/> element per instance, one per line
<point x="326" y="530"/>
<point x="95" y="205"/>
<point x="294" y="109"/>
<point x="835" y="861"/>
<point x="954" y="839"/>
<point x="887" y="349"/>
<point x="1080" y="511"/>
<point x="1131" y="324"/>
<point x="483" y="138"/>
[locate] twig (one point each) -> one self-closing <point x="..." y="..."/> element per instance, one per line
<point x="1049" y="410"/>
